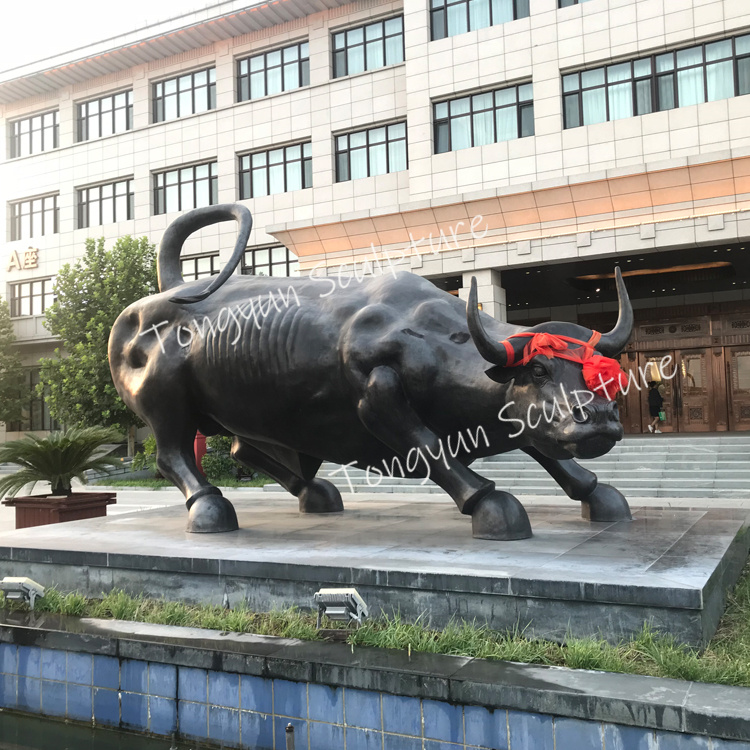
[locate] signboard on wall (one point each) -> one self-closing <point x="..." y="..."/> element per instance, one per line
<point x="24" y="260"/>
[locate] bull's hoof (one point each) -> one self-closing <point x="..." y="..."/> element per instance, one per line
<point x="210" y="513"/>
<point x="320" y="496"/>
<point x="606" y="504"/>
<point x="500" y="516"/>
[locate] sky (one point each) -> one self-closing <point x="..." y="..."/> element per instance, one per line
<point x="31" y="30"/>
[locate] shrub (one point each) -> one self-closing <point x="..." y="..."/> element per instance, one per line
<point x="219" y="463"/>
<point x="146" y="459"/>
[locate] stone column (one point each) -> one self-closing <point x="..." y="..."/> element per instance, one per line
<point x="489" y="291"/>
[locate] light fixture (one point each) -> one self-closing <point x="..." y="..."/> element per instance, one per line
<point x="343" y="605"/>
<point x="480" y="306"/>
<point x="21" y="589"/>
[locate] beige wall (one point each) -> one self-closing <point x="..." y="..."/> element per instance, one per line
<point x="535" y="48"/>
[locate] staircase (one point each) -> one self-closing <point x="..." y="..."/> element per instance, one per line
<point x="685" y="466"/>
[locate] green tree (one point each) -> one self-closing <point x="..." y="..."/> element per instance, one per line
<point x="91" y="293"/>
<point x="12" y="386"/>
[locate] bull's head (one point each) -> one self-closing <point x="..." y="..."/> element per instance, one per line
<point x="555" y="393"/>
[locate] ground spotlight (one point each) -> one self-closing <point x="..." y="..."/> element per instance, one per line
<point x="343" y="605"/>
<point x="21" y="589"/>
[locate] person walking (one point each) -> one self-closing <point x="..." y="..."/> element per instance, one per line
<point x="655" y="402"/>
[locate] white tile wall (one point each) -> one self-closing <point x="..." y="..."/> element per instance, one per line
<point x="533" y="49"/>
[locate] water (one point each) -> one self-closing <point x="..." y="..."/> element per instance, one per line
<point x="19" y="732"/>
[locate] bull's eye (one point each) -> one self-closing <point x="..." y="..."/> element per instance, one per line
<point x="538" y="371"/>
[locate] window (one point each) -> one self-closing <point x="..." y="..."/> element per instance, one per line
<point x="273" y="72"/>
<point x="477" y="120"/>
<point x="185" y="188"/>
<point x="279" y="170"/>
<point x="105" y="204"/>
<point x="716" y="70"/>
<point x="30" y="298"/>
<point x="270" y="261"/>
<point x="451" y="17"/>
<point x="34" y="218"/>
<point x="33" y="135"/>
<point x="198" y="268"/>
<point x="185" y="95"/>
<point x="568" y="3"/>
<point x="34" y="413"/>
<point x="371" y="152"/>
<point x="368" y="47"/>
<point x="105" y="116"/>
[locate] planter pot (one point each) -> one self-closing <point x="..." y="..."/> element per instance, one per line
<point x="39" y="510"/>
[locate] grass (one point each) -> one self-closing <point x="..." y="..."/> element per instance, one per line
<point x="156" y="483"/>
<point x="726" y="660"/>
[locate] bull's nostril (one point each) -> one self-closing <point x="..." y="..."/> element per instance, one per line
<point x="579" y="414"/>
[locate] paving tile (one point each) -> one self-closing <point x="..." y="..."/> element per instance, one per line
<point x="224" y="689"/>
<point x="162" y="715"/>
<point x="362" y="708"/>
<point x="80" y="668"/>
<point x="442" y="721"/>
<point x="290" y="699"/>
<point x="325" y="703"/>
<point x="402" y="714"/>
<point x="106" y="707"/>
<point x="193" y="718"/>
<point x="223" y="725"/>
<point x="257" y="731"/>
<point x="530" y="731"/>
<point x="54" y="665"/>
<point x="53" y="698"/>
<point x="192" y="684"/>
<point x="134" y="711"/>
<point x="106" y="672"/>
<point x="256" y="694"/>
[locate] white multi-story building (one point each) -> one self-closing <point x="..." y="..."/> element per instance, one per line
<point x="531" y="145"/>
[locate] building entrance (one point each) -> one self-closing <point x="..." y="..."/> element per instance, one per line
<point x="702" y="363"/>
<point x="687" y="386"/>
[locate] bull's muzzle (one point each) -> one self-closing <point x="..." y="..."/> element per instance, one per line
<point x="601" y="413"/>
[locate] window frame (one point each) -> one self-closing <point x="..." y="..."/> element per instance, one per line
<point x="364" y="43"/>
<point x="337" y="151"/>
<point x="17" y="295"/>
<point x="46" y="422"/>
<point x="84" y="203"/>
<point x="246" y="171"/>
<point x="159" y="115"/>
<point x="213" y="188"/>
<point x="243" y="80"/>
<point x="82" y="120"/>
<point x="16" y="136"/>
<point x="195" y="274"/>
<point x="290" y="263"/>
<point x="436" y="10"/>
<point x="17" y="215"/>
<point x="520" y="106"/>
<point x="654" y="76"/>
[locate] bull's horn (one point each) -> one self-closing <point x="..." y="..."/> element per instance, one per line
<point x="612" y="343"/>
<point x="491" y="350"/>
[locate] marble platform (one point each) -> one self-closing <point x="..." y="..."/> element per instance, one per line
<point x="414" y="555"/>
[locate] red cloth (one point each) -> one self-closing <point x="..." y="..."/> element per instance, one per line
<point x="601" y="374"/>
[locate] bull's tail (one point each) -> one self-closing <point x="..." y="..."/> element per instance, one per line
<point x="168" y="257"/>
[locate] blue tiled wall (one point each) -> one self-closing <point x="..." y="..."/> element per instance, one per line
<point x="252" y="712"/>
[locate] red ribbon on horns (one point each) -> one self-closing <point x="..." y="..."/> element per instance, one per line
<point x="601" y="374"/>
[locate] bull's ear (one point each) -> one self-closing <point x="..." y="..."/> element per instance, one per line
<point x="500" y="374"/>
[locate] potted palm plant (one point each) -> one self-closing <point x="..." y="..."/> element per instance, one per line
<point x="57" y="459"/>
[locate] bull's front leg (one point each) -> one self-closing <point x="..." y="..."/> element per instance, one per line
<point x="599" y="502"/>
<point x="387" y="414"/>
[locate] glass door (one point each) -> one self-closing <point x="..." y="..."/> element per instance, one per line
<point x="693" y="391"/>
<point x="738" y="384"/>
<point x="659" y="367"/>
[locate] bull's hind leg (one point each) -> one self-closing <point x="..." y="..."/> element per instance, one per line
<point x="599" y="502"/>
<point x="387" y="414"/>
<point x="315" y="495"/>
<point x="208" y="510"/>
